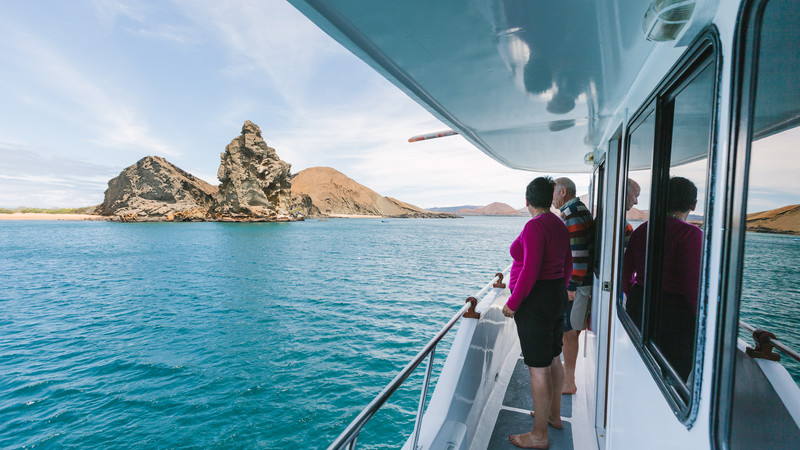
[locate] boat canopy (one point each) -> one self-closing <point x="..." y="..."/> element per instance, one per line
<point x="531" y="84"/>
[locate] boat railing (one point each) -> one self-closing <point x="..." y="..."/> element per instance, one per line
<point x="347" y="439"/>
<point x="765" y="342"/>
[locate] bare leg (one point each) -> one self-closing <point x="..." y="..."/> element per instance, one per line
<point x="542" y="391"/>
<point x="570" y="340"/>
<point x="557" y="379"/>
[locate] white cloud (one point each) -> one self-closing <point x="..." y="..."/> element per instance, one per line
<point x="90" y="101"/>
<point x="32" y="178"/>
<point x="316" y="103"/>
<point x="167" y="33"/>
<point x="364" y="134"/>
<point x="268" y="37"/>
<point x="109" y="10"/>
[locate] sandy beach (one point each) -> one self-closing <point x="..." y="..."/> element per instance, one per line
<point x="44" y="216"/>
<point x="354" y="216"/>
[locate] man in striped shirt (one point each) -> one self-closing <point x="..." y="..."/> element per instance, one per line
<point x="581" y="236"/>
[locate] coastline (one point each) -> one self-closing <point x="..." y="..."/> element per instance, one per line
<point x="351" y="216"/>
<point x="46" y="216"/>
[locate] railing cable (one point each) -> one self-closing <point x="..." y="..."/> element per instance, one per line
<point x="764" y="337"/>
<point x="347" y="439"/>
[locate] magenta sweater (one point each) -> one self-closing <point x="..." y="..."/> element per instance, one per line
<point x="683" y="246"/>
<point x="540" y="252"/>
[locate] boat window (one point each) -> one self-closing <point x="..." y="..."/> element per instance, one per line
<point x="762" y="283"/>
<point x="637" y="200"/>
<point x="661" y="299"/>
<point x="598" y="196"/>
<point x="675" y="295"/>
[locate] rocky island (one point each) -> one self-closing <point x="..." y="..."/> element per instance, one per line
<point x="155" y="188"/>
<point x="255" y="186"/>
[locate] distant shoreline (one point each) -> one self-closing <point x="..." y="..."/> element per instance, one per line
<point x="46" y="216"/>
<point x="95" y="217"/>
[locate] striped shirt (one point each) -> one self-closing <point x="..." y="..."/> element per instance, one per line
<point x="581" y="239"/>
<point x="628" y="231"/>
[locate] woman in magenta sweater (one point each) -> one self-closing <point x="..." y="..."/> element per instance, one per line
<point x="539" y="274"/>
<point x="676" y="316"/>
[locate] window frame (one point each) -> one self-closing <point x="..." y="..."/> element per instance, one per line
<point x="596" y="204"/>
<point x="703" y="54"/>
<point x="746" y="43"/>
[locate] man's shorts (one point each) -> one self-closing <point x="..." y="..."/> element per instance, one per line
<point x="578" y="311"/>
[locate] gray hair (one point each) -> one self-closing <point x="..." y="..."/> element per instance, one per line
<point x="568" y="184"/>
<point x="630" y="185"/>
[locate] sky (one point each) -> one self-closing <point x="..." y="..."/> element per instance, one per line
<point x="88" y="88"/>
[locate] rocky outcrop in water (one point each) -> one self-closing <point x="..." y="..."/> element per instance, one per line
<point x="256" y="186"/>
<point x="303" y="206"/>
<point x="255" y="183"/>
<point x="155" y="189"/>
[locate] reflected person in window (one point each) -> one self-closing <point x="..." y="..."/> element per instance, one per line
<point x="632" y="191"/>
<point x="541" y="268"/>
<point x="676" y="308"/>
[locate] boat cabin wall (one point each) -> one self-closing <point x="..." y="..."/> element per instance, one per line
<point x="697" y="407"/>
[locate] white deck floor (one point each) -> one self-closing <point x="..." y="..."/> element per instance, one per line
<point x="513" y="412"/>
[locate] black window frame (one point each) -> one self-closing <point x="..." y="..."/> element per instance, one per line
<point x="598" y="194"/>
<point x="744" y="77"/>
<point x="704" y="53"/>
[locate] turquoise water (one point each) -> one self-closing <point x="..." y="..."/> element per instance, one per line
<point x="201" y="335"/>
<point x="771" y="292"/>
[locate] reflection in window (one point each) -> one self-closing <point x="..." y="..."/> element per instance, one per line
<point x="675" y="304"/>
<point x="598" y="197"/>
<point x="637" y="199"/>
<point x="667" y="189"/>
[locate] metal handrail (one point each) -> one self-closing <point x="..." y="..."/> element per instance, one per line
<point x="347" y="439"/>
<point x="775" y="343"/>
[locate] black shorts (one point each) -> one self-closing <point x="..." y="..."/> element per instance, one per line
<point x="540" y="321"/>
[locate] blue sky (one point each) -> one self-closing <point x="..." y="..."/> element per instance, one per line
<point x="90" y="87"/>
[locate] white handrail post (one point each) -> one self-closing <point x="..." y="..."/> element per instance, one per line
<point x="423" y="397"/>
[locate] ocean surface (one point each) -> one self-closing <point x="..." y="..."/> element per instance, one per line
<point x="201" y="335"/>
<point x="771" y="292"/>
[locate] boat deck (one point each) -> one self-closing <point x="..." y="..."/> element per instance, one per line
<point x="514" y="414"/>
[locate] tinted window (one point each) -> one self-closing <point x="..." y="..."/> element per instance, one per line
<point x="662" y="264"/>
<point x="637" y="206"/>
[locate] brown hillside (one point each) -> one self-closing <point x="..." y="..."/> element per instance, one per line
<point x="492" y="209"/>
<point x="336" y="194"/>
<point x="637" y="214"/>
<point x="781" y="220"/>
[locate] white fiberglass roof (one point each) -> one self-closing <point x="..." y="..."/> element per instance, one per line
<point x="530" y="83"/>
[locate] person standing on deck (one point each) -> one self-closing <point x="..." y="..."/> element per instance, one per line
<point x="541" y="268"/>
<point x="580" y="224"/>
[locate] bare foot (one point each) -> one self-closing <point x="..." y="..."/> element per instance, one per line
<point x="527" y="440"/>
<point x="569" y="390"/>
<point x="555" y="423"/>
